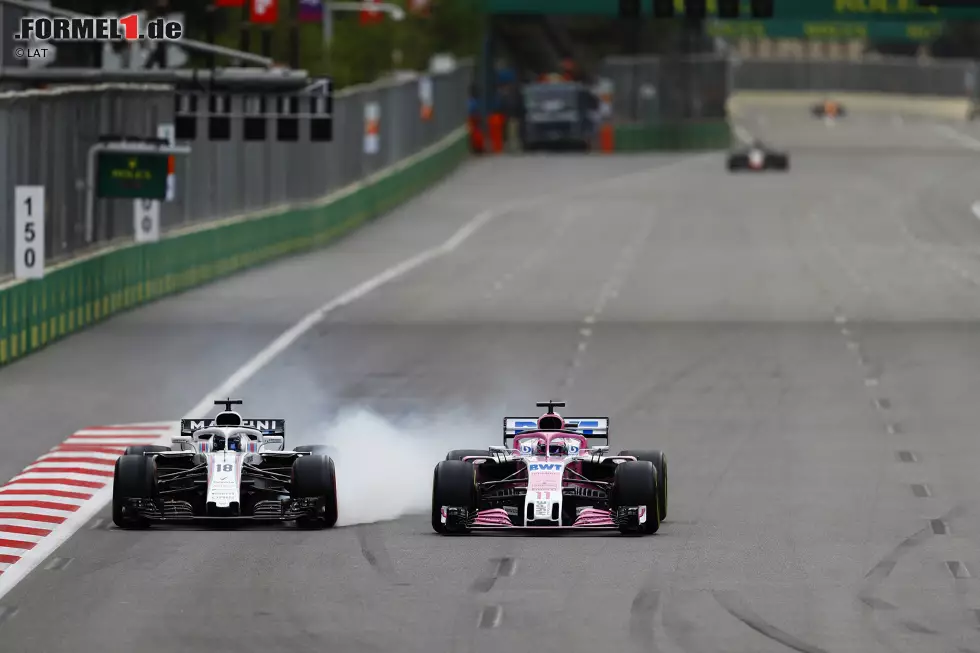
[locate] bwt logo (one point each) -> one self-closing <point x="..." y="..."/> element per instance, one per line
<point x="545" y="467"/>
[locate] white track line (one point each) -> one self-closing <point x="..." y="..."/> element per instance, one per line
<point x="12" y="575"/>
<point x="743" y="134"/>
<point x="965" y="140"/>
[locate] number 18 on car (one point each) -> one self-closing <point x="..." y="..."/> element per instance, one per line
<point x="29" y="232"/>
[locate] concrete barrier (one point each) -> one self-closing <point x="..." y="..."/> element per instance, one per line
<point x="741" y="102"/>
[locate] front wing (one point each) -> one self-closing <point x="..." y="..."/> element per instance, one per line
<point x="184" y="498"/>
<point x="169" y="510"/>
<point x="588" y="519"/>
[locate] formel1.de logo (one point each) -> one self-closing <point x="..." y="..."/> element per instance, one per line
<point x="125" y="28"/>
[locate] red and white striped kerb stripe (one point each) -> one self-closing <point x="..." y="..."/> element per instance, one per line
<point x="35" y="503"/>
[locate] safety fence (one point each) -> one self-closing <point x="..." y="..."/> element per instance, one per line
<point x="47" y="136"/>
<point x="653" y="89"/>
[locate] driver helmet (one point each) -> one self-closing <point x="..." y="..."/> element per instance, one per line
<point x="556" y="448"/>
<point x="235" y="443"/>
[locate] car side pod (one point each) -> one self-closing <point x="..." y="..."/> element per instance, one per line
<point x="314" y="477"/>
<point x="134" y="478"/>
<point x="453" y="487"/>
<point x="635" y="486"/>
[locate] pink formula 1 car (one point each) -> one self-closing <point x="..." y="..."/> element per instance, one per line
<point x="549" y="477"/>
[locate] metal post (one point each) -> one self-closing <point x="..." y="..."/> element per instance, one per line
<point x="327" y="22"/>
<point x="245" y="36"/>
<point x="487" y="76"/>
<point x="90" y="191"/>
<point x="266" y="42"/>
<point x="294" y="49"/>
<point x="211" y="27"/>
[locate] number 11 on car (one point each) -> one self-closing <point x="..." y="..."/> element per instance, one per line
<point x="29" y="232"/>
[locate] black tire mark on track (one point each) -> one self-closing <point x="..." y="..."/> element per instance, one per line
<point x="884" y="567"/>
<point x="642" y="614"/>
<point x="738" y="608"/>
<point x="915" y="627"/>
<point x="880" y="571"/>
<point x="6" y="612"/>
<point x="374" y="551"/>
<point x="502" y="567"/>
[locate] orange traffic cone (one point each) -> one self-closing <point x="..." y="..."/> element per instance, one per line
<point x="606" y="140"/>
<point x="497" y="132"/>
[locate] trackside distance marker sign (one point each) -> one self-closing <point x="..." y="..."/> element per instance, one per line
<point x="29" y="232"/>
<point x="98" y="29"/>
<point x="146" y="220"/>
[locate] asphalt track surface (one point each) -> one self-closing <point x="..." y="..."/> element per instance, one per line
<point x="803" y="347"/>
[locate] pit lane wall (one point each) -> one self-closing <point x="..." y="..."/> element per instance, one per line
<point x="86" y="290"/>
<point x="686" y="103"/>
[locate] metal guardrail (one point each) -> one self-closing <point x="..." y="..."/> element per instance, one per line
<point x="644" y="92"/>
<point x="47" y="135"/>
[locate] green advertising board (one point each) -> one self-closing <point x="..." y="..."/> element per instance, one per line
<point x="810" y="10"/>
<point x="135" y="176"/>
<point x="891" y="30"/>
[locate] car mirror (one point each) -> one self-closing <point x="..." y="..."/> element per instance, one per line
<point x="272" y="443"/>
<point x="182" y="443"/>
<point x="498" y="448"/>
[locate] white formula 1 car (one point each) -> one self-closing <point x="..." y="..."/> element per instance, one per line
<point x="550" y="478"/>
<point x="229" y="468"/>
<point x="757" y="157"/>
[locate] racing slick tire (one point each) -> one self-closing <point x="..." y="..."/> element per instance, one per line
<point x="315" y="477"/>
<point x="779" y="162"/>
<point x="659" y="460"/>
<point x="459" y="454"/>
<point x="135" y="477"/>
<point x="735" y="163"/>
<point x="140" y="449"/>
<point x="635" y="484"/>
<point x="453" y="484"/>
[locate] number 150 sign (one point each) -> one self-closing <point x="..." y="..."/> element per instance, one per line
<point x="29" y="232"/>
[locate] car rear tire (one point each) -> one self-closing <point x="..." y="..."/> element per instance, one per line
<point x="459" y="454"/>
<point x="140" y="449"/>
<point x="635" y="484"/>
<point x="315" y="477"/>
<point x="134" y="478"/>
<point x="659" y="460"/>
<point x="453" y="484"/>
<point x="781" y="163"/>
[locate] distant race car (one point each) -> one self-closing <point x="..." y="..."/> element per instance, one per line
<point x="228" y="468"/>
<point x="828" y="109"/>
<point x="550" y="478"/>
<point x="758" y="157"/>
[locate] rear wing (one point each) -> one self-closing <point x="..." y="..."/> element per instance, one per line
<point x="266" y="426"/>
<point x="590" y="427"/>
